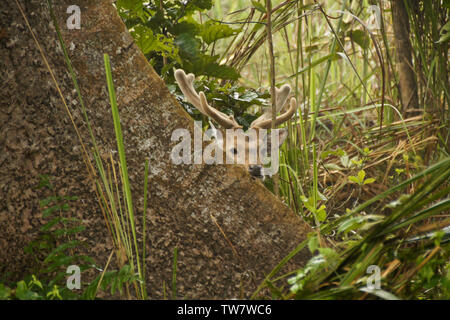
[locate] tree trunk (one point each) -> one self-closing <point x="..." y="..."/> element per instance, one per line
<point x="187" y="203"/>
<point x="406" y="76"/>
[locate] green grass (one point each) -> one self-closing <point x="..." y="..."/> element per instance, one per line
<point x="113" y="192"/>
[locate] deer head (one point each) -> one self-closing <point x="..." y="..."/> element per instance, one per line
<point x="243" y="144"/>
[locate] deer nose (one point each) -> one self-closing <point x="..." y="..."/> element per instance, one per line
<point x="255" y="171"/>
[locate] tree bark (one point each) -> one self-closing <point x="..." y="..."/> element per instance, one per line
<point x="406" y="76"/>
<point x="187" y="203"/>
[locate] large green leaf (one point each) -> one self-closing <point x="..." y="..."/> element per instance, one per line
<point x="201" y="4"/>
<point x="188" y="44"/>
<point x="147" y="41"/>
<point x="136" y="6"/>
<point x="189" y="26"/>
<point x="206" y="65"/>
<point x="5" y="292"/>
<point x="258" y="6"/>
<point x="24" y="293"/>
<point x="144" y="38"/>
<point x="360" y="37"/>
<point x="212" y="32"/>
<point x="221" y="71"/>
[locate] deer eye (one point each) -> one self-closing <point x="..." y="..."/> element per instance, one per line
<point x="233" y="150"/>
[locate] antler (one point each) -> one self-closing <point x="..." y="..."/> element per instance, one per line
<point x="267" y="123"/>
<point x="186" y="84"/>
<point x="281" y="95"/>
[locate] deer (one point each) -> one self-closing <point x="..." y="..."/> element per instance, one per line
<point x="244" y="145"/>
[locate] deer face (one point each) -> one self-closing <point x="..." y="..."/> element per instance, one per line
<point x="247" y="148"/>
<point x="253" y="148"/>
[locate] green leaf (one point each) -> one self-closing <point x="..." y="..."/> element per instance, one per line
<point x="345" y="161"/>
<point x="201" y="4"/>
<point x="321" y="214"/>
<point x="5" y="292"/>
<point x="61" y="248"/>
<point x="445" y="33"/>
<point x="332" y="166"/>
<point x="257" y="26"/>
<point x="60" y="261"/>
<point x="221" y="71"/>
<point x="44" y="182"/>
<point x="24" y="293"/>
<point x="308" y="202"/>
<point x="367" y="151"/>
<point x="369" y="180"/>
<point x="361" y="175"/>
<point x="354" y="179"/>
<point x="329" y="254"/>
<point x="66" y="232"/>
<point x="359" y="222"/>
<point x="357" y="162"/>
<point x="54" y="293"/>
<point x="212" y="32"/>
<point x="148" y="42"/>
<point x="248" y="96"/>
<point x="35" y="282"/>
<point x="313" y="243"/>
<point x="136" y="6"/>
<point x="322" y="196"/>
<point x="360" y="37"/>
<point x="349" y="224"/>
<point x="48" y="212"/>
<point x="189" y="26"/>
<point x="339" y="153"/>
<point x="258" y="6"/>
<point x="45" y="202"/>
<point x="206" y="65"/>
<point x="144" y="38"/>
<point x="188" y="44"/>
<point x="46" y="227"/>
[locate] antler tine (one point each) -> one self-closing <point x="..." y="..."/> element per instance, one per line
<point x="267" y="123"/>
<point x="186" y="84"/>
<point x="281" y="96"/>
<point x="221" y="118"/>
